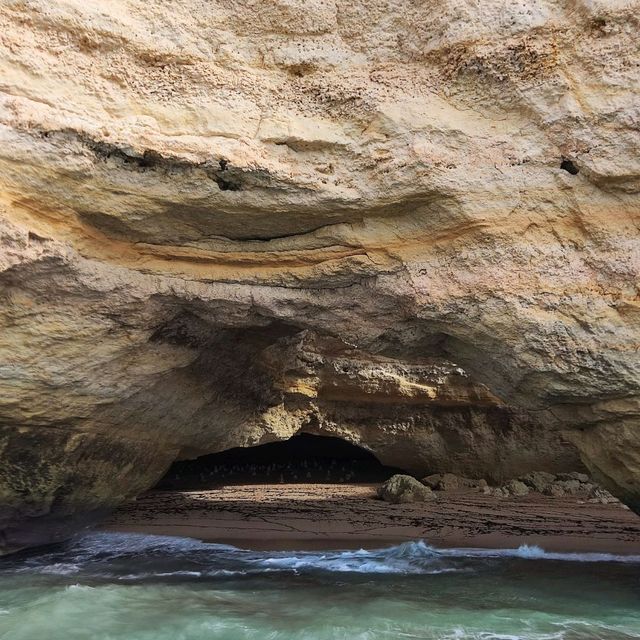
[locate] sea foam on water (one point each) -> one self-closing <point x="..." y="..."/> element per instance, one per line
<point x="110" y="586"/>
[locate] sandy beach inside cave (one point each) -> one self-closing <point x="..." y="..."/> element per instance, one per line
<point x="331" y="516"/>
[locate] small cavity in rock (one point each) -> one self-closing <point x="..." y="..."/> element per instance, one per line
<point x="569" y="166"/>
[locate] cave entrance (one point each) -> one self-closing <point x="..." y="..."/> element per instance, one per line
<point x="303" y="458"/>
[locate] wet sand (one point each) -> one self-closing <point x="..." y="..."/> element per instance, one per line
<point x="317" y="516"/>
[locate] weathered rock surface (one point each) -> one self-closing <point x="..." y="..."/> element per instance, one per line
<point x="538" y="480"/>
<point x="402" y="489"/>
<point x="194" y="204"/>
<point x="451" y="482"/>
<point x="415" y="415"/>
<point x="572" y="484"/>
<point x="517" y="488"/>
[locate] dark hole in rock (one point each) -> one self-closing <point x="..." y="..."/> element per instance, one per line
<point x="225" y="185"/>
<point x="302" y="459"/>
<point x="150" y="159"/>
<point x="226" y="182"/>
<point x="569" y="166"/>
<point x="300" y="70"/>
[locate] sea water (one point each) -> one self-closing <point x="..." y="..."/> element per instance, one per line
<point x="108" y="586"/>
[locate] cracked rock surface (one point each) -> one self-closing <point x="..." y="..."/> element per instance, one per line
<point x="411" y="225"/>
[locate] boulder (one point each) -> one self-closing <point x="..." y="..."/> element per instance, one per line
<point x="517" y="488"/>
<point x="402" y="489"/>
<point x="556" y="490"/>
<point x="432" y="481"/>
<point x="450" y="482"/>
<point x="602" y="496"/>
<point x="538" y="480"/>
<point x="570" y="487"/>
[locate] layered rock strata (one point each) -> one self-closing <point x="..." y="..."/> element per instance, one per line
<point x="448" y="190"/>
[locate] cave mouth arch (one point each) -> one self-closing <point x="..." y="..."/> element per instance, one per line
<point x="303" y="458"/>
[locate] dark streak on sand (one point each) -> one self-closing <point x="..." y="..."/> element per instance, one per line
<point x="307" y="516"/>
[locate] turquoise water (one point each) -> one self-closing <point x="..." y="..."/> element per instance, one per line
<point x="135" y="587"/>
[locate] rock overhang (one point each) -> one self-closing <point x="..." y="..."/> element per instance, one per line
<point x="175" y="209"/>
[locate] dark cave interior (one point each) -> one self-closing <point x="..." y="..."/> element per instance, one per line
<point x="304" y="458"/>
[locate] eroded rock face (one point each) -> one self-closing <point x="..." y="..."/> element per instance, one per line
<point x="422" y="416"/>
<point x="401" y="489"/>
<point x="448" y="190"/>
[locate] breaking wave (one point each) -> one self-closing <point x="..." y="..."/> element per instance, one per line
<point x="111" y="555"/>
<point x="109" y="586"/>
<point x="534" y="552"/>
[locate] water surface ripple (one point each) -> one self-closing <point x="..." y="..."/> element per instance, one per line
<point x="109" y="586"/>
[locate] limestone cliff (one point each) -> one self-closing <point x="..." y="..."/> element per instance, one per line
<point x="412" y="224"/>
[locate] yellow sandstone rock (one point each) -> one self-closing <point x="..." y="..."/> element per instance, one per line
<point x="412" y="225"/>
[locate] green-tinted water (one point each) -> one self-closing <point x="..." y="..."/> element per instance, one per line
<point x="116" y="587"/>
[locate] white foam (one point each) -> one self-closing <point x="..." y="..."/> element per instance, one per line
<point x="534" y="552"/>
<point x="461" y="633"/>
<point x="105" y="554"/>
<point x="408" y="557"/>
<point x="57" y="568"/>
<point x="126" y="543"/>
<point x="161" y="574"/>
<point x="79" y="587"/>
